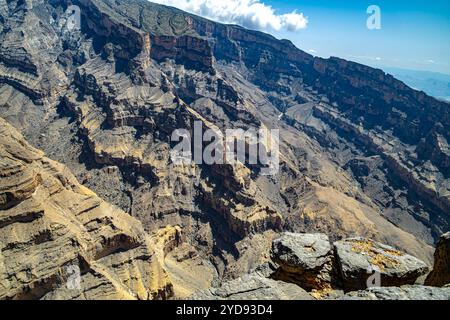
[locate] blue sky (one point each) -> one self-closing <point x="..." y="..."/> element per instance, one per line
<point x="414" y="34"/>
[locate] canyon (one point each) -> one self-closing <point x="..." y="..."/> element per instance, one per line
<point x="87" y="177"/>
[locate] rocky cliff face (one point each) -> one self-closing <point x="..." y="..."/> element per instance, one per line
<point x="350" y="269"/>
<point x="440" y="276"/>
<point x="60" y="241"/>
<point x="361" y="154"/>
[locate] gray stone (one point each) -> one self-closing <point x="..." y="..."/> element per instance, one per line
<point x="253" y="287"/>
<point x="305" y="259"/>
<point x="408" y="292"/>
<point x="359" y="258"/>
<point x="440" y="275"/>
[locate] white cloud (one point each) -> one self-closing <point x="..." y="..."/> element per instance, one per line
<point x="252" y="14"/>
<point x="312" y="51"/>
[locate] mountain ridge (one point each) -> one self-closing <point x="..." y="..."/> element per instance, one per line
<point x="361" y="154"/>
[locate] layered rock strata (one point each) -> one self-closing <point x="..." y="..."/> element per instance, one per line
<point x="58" y="240"/>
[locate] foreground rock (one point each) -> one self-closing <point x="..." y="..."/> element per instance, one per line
<point x="58" y="240"/>
<point x="440" y="275"/>
<point x="401" y="293"/>
<point x="111" y="95"/>
<point x="359" y="258"/>
<point x="253" y="287"/>
<point x="303" y="266"/>
<point x="304" y="259"/>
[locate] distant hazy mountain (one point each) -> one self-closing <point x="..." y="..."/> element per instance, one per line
<point x="432" y="83"/>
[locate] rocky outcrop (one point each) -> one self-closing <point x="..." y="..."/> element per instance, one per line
<point x="252" y="287"/>
<point x="172" y="41"/>
<point x="58" y="240"/>
<point x="237" y="199"/>
<point x="440" y="275"/>
<point x="435" y="147"/>
<point x="190" y="51"/>
<point x="424" y="181"/>
<point x="317" y="269"/>
<point x="368" y="92"/>
<point x="105" y="100"/>
<point x="313" y="263"/>
<point x="304" y="259"/>
<point x="401" y="293"/>
<point x="361" y="260"/>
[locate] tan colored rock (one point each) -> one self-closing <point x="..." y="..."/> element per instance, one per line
<point x="253" y="287"/>
<point x="139" y="70"/>
<point x="188" y="272"/>
<point x="408" y="292"/>
<point x="440" y="275"/>
<point x="304" y="259"/>
<point x="53" y="230"/>
<point x="361" y="261"/>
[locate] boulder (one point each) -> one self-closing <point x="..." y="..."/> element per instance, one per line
<point x="253" y="287"/>
<point x="440" y="275"/>
<point x="363" y="263"/>
<point x="304" y="259"/>
<point x="408" y="292"/>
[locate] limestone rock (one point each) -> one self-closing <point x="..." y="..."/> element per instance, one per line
<point x="111" y="94"/>
<point x="305" y="259"/>
<point x="407" y="292"/>
<point x="359" y="258"/>
<point x="58" y="240"/>
<point x="440" y="275"/>
<point x="253" y="287"/>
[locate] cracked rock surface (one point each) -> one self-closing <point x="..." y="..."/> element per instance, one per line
<point x="251" y="287"/>
<point x="361" y="153"/>
<point x="359" y="258"/>
<point x="53" y="229"/>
